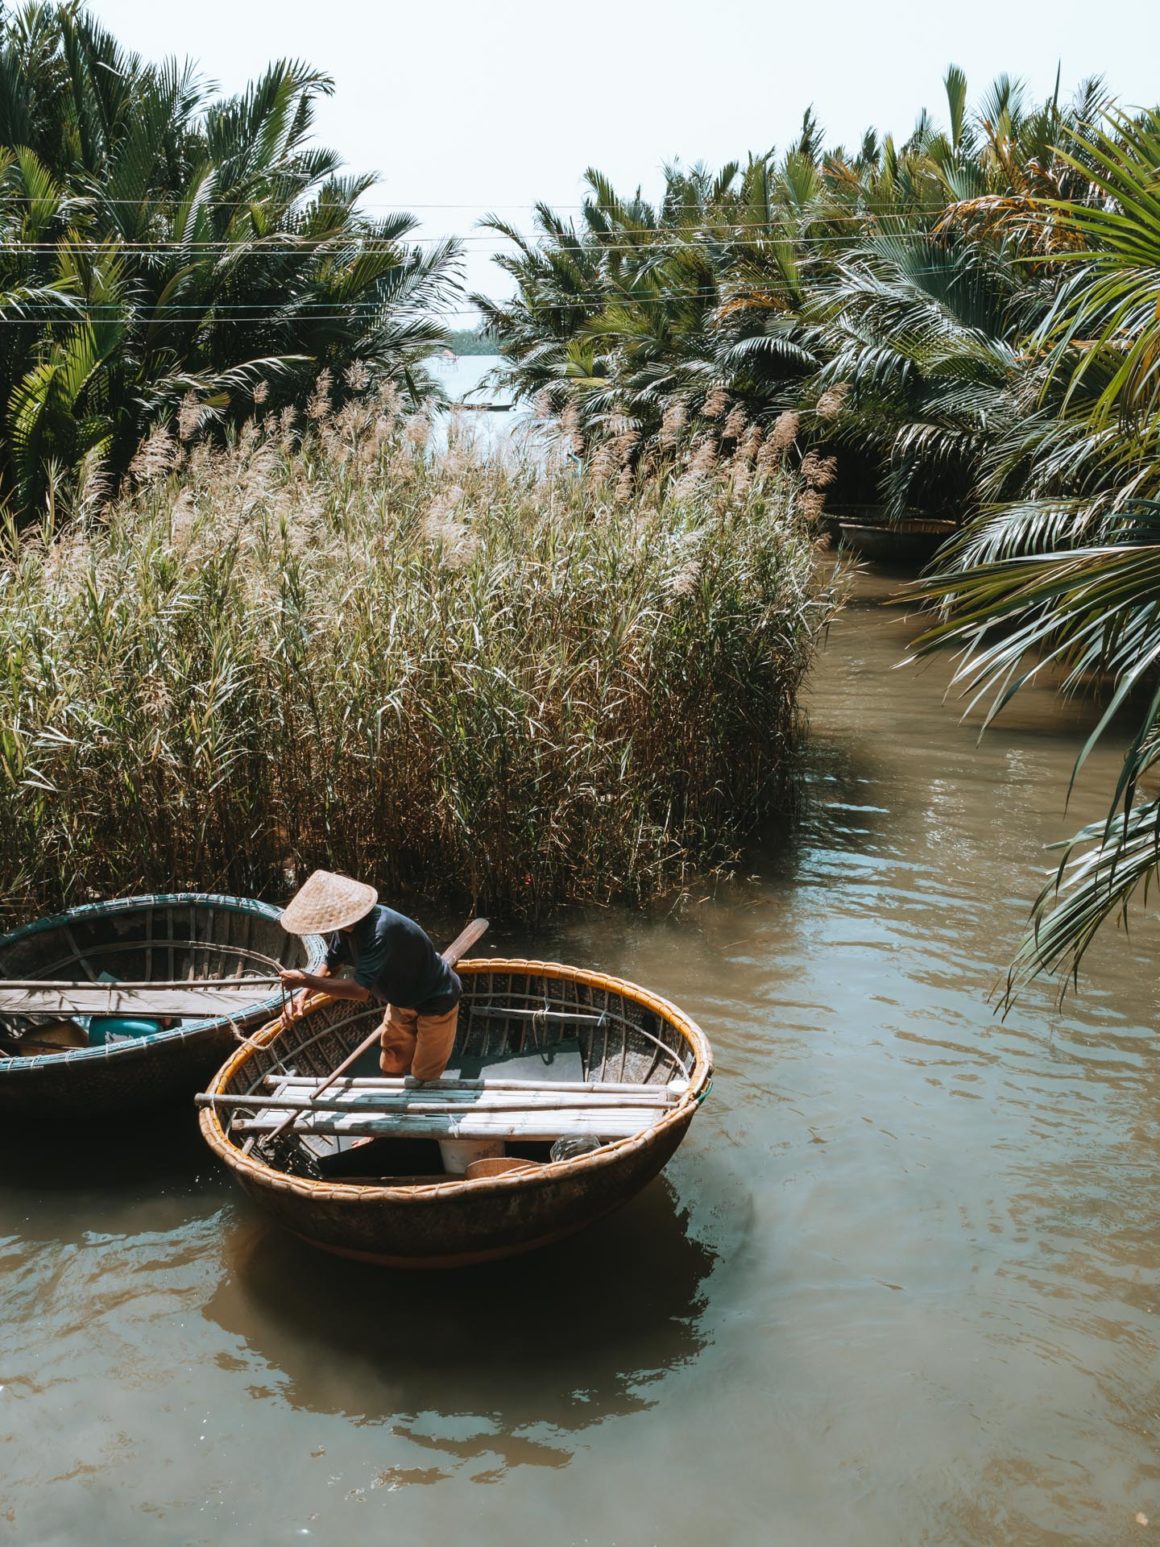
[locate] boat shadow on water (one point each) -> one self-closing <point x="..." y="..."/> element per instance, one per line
<point x="568" y="1336"/>
<point x="78" y="1155"/>
<point x="69" y="1186"/>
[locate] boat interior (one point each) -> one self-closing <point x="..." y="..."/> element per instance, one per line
<point x="543" y="1068"/>
<point x="175" y="945"/>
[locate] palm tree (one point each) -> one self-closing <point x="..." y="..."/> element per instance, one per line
<point x="1067" y="577"/>
<point x="638" y="309"/>
<point x="159" y="246"/>
<point x="880" y="274"/>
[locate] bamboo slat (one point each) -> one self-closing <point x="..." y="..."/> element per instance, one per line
<point x="193" y="998"/>
<point x="233" y="981"/>
<point x="538" y="1126"/>
<point x="305" y="1084"/>
<point x="544" y="1016"/>
<point x="413" y="1101"/>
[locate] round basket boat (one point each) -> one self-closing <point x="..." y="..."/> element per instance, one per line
<point x="183" y="937"/>
<point x="902" y="542"/>
<point x="629" y="1060"/>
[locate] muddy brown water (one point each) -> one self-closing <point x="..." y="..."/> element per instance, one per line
<point x="899" y="1285"/>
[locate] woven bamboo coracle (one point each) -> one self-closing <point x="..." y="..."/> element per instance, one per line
<point x="183" y="938"/>
<point x="645" y="1068"/>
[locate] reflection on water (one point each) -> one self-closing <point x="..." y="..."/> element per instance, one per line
<point x="551" y="1344"/>
<point x="899" y="1285"/>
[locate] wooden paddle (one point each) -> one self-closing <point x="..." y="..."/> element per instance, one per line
<point x="459" y="947"/>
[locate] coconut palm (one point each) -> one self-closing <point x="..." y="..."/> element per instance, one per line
<point x="158" y="246"/>
<point x="639" y="309"/>
<point x="888" y="280"/>
<point x="1068" y="577"/>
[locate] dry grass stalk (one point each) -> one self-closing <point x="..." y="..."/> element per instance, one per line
<point x="818" y="472"/>
<point x="672" y="423"/>
<point x="483" y="682"/>
<point x="157" y="455"/>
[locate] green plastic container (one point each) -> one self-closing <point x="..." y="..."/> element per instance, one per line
<point x="104" y="1027"/>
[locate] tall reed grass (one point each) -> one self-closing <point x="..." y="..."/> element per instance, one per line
<point x="513" y="684"/>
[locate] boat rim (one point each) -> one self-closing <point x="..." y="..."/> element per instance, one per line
<point x="700" y="1082"/>
<point x="918" y="526"/>
<point x="139" y="1046"/>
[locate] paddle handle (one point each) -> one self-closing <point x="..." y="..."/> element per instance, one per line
<point x="462" y="943"/>
<point x="458" y="948"/>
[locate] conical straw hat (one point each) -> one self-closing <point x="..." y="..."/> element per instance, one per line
<point x="327" y="902"/>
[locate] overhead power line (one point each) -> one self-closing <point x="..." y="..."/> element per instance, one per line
<point x="705" y="223"/>
<point x="330" y="311"/>
<point x="361" y="249"/>
<point x="398" y="206"/>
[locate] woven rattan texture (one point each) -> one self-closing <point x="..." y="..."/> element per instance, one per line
<point x="178" y="936"/>
<point x="626" y="1034"/>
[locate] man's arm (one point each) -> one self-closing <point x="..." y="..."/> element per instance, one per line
<point x="320" y="981"/>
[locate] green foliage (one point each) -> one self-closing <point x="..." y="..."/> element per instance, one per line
<point x="470" y="341"/>
<point x="160" y="247"/>
<point x="507" y="683"/>
<point x="969" y="323"/>
<point x="1067" y="575"/>
<point x="883" y="285"/>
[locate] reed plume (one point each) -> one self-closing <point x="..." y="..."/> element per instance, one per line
<point x="478" y="681"/>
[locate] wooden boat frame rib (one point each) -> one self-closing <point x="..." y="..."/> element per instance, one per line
<point x="526" y="1209"/>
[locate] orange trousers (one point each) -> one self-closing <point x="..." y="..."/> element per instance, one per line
<point x="417" y="1044"/>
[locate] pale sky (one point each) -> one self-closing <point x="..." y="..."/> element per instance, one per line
<point x="469" y="107"/>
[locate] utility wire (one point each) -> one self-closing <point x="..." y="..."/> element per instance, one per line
<point x="696" y="213"/>
<point x="288" y="311"/>
<point x="365" y="311"/>
<point x="627" y="240"/>
<point x="399" y="206"/>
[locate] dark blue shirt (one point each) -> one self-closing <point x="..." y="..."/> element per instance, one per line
<point x="395" y="959"/>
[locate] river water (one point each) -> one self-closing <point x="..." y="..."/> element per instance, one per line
<point x="465" y="380"/>
<point x="898" y="1287"/>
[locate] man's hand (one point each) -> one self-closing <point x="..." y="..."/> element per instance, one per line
<point x="304" y="982"/>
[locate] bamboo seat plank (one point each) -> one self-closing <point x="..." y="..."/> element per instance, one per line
<point x="304" y="1084"/>
<point x="432" y="1096"/>
<point x="250" y="980"/>
<point x="528" y="1126"/>
<point x="388" y="1103"/>
<point x="115" y="999"/>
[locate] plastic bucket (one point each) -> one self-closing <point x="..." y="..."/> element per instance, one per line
<point x="458" y="1154"/>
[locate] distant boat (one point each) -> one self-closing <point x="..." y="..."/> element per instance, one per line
<point x="903" y="542"/>
<point x="548" y="1060"/>
<point x="120" y="1004"/>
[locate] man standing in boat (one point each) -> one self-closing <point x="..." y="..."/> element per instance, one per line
<point x="392" y="960"/>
